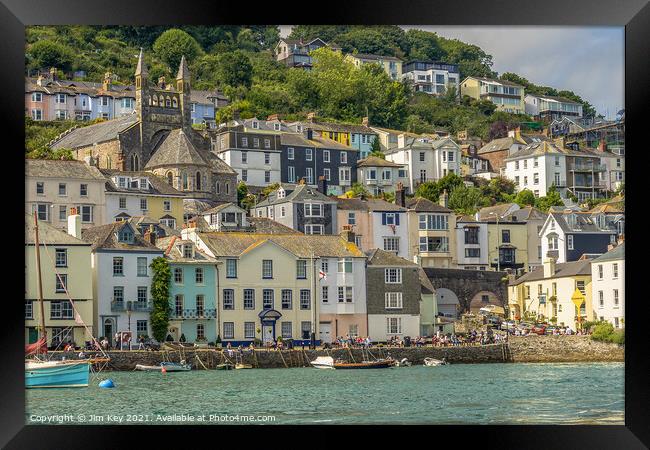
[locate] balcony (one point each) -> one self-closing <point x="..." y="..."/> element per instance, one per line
<point x="582" y="167"/>
<point x="193" y="313"/>
<point x="137" y="306"/>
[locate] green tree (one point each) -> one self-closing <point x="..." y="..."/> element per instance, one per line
<point x="428" y="190"/>
<point x="466" y="200"/>
<point x="46" y="53"/>
<point x="525" y="197"/>
<point x="375" y="149"/>
<point x="173" y="44"/>
<point x="424" y="45"/>
<point x="160" y="293"/>
<point x="552" y="198"/>
<point x="498" y="190"/>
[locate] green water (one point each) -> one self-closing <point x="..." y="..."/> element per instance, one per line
<point x="582" y="393"/>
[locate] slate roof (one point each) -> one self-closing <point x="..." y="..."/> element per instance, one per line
<point x="379" y="257"/>
<point x="492" y="80"/>
<point x="172" y="246"/>
<point x="204" y="97"/>
<point x="270" y="226"/>
<point x="299" y="139"/>
<point x="425" y="282"/>
<point x="193" y="206"/>
<point x="420" y="204"/>
<point x="338" y="127"/>
<point x="301" y="193"/>
<point x="496" y="145"/>
<point x="551" y="97"/>
<point x="69" y="87"/>
<point x="176" y="148"/>
<point x="374" y="57"/>
<point x="562" y="270"/>
<point x="54" y="168"/>
<point x="371" y="204"/>
<point x="96" y="133"/>
<point x="615" y="254"/>
<point x="375" y="161"/>
<point x="48" y="235"/>
<point x="547" y="147"/>
<point x="484" y="213"/>
<point x="584" y="221"/>
<point x="529" y="213"/>
<point x="218" y="208"/>
<point x="104" y="237"/>
<point x="158" y="184"/>
<point x="238" y="243"/>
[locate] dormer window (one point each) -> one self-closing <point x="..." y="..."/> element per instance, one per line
<point x="276" y="126"/>
<point x="121" y="182"/>
<point x="256" y="125"/>
<point x="281" y="193"/>
<point x="188" y="251"/>
<point x="144" y="183"/>
<point x="126" y="236"/>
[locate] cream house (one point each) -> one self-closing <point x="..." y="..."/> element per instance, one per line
<point x="608" y="278"/>
<point x="431" y="233"/>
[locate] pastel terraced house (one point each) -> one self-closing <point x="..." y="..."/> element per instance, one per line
<point x="506" y="95"/>
<point x="67" y="255"/>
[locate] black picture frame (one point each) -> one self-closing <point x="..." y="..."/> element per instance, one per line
<point x="634" y="15"/>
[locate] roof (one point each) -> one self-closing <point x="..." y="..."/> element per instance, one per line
<point x="299" y="139"/>
<point x="47" y="234"/>
<point x="237" y="243"/>
<point x="562" y="270"/>
<point x="301" y="193"/>
<point x="552" y="97"/>
<point x="56" y="168"/>
<point x="176" y="148"/>
<point x="220" y="207"/>
<point x="492" y="80"/>
<point x="158" y="184"/>
<point x="205" y="96"/>
<point x="194" y="207"/>
<point x="615" y="254"/>
<point x="528" y="213"/>
<point x="98" y="132"/>
<point x="379" y="257"/>
<point x="270" y="226"/>
<point x="338" y="127"/>
<point x="420" y="204"/>
<point x="500" y="210"/>
<point x="584" y="223"/>
<point x="425" y="282"/>
<point x="104" y="237"/>
<point x="376" y="161"/>
<point x="374" y="57"/>
<point x="496" y="145"/>
<point x="172" y="246"/>
<point x="371" y="204"/>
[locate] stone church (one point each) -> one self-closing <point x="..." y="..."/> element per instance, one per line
<point x="158" y="137"/>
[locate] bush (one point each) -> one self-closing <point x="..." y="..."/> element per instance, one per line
<point x="604" y="332"/>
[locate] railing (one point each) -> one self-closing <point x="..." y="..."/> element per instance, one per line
<point x="581" y="167"/>
<point x="136" y="306"/>
<point x="587" y="185"/>
<point x="194" y="314"/>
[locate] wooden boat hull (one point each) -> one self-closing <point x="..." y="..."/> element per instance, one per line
<point x="243" y="366"/>
<point x="365" y="365"/>
<point x="57" y="374"/>
<point x="168" y="368"/>
<point x="224" y="367"/>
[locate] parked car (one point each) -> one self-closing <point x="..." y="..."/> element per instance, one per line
<point x="551" y="329"/>
<point x="525" y="326"/>
<point x="539" y="328"/>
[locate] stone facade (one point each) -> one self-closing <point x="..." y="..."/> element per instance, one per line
<point x="466" y="284"/>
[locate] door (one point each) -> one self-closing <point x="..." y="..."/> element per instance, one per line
<point x="108" y="331"/>
<point x="325" y="332"/>
<point x="267" y="333"/>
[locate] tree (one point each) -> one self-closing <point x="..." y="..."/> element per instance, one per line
<point x="160" y="293"/>
<point x="525" y="197"/>
<point x="552" y="198"/>
<point x="375" y="149"/>
<point x="466" y="200"/>
<point x="498" y="190"/>
<point x="424" y="45"/>
<point x="47" y="53"/>
<point x="428" y="190"/>
<point x="173" y="44"/>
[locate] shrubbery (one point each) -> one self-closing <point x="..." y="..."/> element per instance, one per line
<point x="605" y="332"/>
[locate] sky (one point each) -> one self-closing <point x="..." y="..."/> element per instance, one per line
<point x="586" y="60"/>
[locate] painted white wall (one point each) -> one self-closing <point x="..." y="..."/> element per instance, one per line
<point x="401" y="231"/>
<point x="461" y="246"/>
<point x="607" y="284"/>
<point x="378" y="328"/>
<point x="356" y="279"/>
<point x="255" y="165"/>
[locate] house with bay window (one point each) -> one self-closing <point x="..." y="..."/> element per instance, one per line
<point x="434" y="78"/>
<point x="192" y="292"/>
<point x="506" y="95"/>
<point x="121" y="277"/>
<point x="65" y="265"/>
<point x="431" y="233"/>
<point x="303" y="209"/>
<point x="471" y="239"/>
<point x="378" y="175"/>
<point x="393" y="295"/>
<point x="52" y="187"/>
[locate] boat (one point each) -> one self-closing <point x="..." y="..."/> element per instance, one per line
<point x="431" y="362"/>
<point x="41" y="373"/>
<point x="243" y="366"/>
<point x="323" y="362"/>
<point x="168" y="366"/>
<point x="225" y="366"/>
<point x="377" y="364"/>
<point x="403" y="363"/>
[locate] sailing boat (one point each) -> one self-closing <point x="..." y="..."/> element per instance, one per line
<point x="52" y="374"/>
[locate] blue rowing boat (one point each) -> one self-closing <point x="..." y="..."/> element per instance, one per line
<point x="56" y="374"/>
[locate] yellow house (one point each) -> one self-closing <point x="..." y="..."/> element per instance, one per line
<point x="132" y="194"/>
<point x="552" y="293"/>
<point x="508" y="96"/>
<point x="431" y="232"/>
<point x="391" y="65"/>
<point x="67" y="255"/>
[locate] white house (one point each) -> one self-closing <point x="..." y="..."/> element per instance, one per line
<point x="471" y="243"/>
<point x="537" y="167"/>
<point x="543" y="106"/>
<point x="225" y="217"/>
<point x="608" y="286"/>
<point x="122" y="278"/>
<point x="431" y="77"/>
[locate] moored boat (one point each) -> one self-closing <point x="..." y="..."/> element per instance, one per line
<point x="243" y="366"/>
<point x="431" y="362"/>
<point x="56" y="374"/>
<point x="168" y="366"/>
<point x="225" y="366"/>
<point x="323" y="362"/>
<point x="378" y="364"/>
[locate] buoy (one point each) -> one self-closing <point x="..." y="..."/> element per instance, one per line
<point x="108" y="383"/>
<point x="164" y="370"/>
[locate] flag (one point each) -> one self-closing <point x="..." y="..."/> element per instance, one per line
<point x="322" y="275"/>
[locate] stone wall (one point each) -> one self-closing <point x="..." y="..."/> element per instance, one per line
<point x="468" y="283"/>
<point x="520" y="349"/>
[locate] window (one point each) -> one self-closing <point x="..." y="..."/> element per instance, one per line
<point x="290" y="153"/>
<point x="83" y="190"/>
<point x="267" y="158"/>
<point x="327" y="174"/>
<point x="142" y="266"/>
<point x="391" y="244"/>
<point x="40" y="187"/>
<point x="314" y="229"/>
<point x="308" y="154"/>
<point x="267" y="144"/>
<point x="325" y="294"/>
<point x="345" y="294"/>
<point x="326" y="156"/>
<point x="37" y="114"/>
<point x="552" y="242"/>
<point x="286" y="330"/>
<point x="305" y="329"/>
<point x="104" y="101"/>
<point x="554" y="288"/>
<point x="344" y="265"/>
<point x="352" y="220"/>
<point x="471" y="235"/>
<point x="267" y="299"/>
<point x="256" y="142"/>
<point x="244" y="175"/>
<point x="535" y="178"/>
<point x="118" y="266"/>
<point x="61" y="282"/>
<point x="344" y="175"/>
<point x="231" y="268"/>
<point x="393" y="276"/>
<point x="43" y="212"/>
<point x="535" y="162"/>
<point x="198" y="275"/>
<point x="60" y="98"/>
<point x="37" y="97"/>
<point x="228" y="330"/>
<point x="601" y="299"/>
<point x="615" y="270"/>
<point x="244" y="157"/>
<point x="505" y="236"/>
<point x="29" y="309"/>
<point x="62" y="213"/>
<point x="525" y="181"/>
<point x="305" y="299"/>
<point x="61" y="257"/>
<point x="228" y="299"/>
<point x="615" y="297"/>
<point x="178" y="275"/>
<point x="301" y="269"/>
<point x="61" y="310"/>
<point x="267" y="176"/>
<point x="393" y="325"/>
<point x="291" y="174"/>
<point x="435" y="222"/>
<point x="506" y="255"/>
<point x="371" y="174"/>
<point x="569" y="241"/>
<point x="580" y="285"/>
<point x="142" y="294"/>
<point x="63" y="189"/>
<point x="472" y="253"/>
<point x="267" y="268"/>
<point x="249" y="330"/>
<point x="434" y="244"/>
<point x="422" y="156"/>
<point x="309" y="176"/>
<point x="244" y="142"/>
<point x="517" y="180"/>
<point x="287" y="299"/>
<point x="344" y="157"/>
<point x="393" y="300"/>
<point x="86" y="212"/>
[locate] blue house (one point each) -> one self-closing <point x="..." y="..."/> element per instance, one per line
<point x="192" y="294"/>
<point x="204" y="105"/>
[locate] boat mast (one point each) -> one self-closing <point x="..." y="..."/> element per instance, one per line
<point x="40" y="282"/>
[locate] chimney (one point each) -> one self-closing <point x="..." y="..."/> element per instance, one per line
<point x="322" y="185"/>
<point x="235" y="114"/>
<point x="365" y="122"/>
<point x="310" y="117"/>
<point x="74" y="223"/>
<point x="53" y="73"/>
<point x="301" y="181"/>
<point x="161" y="82"/>
<point x="444" y="199"/>
<point x="273" y="117"/>
<point x="107" y="81"/>
<point x="348" y="234"/>
<point x="39" y="80"/>
<point x="549" y="267"/>
<point x="400" y="195"/>
<point x="560" y="141"/>
<point x="602" y="146"/>
<point x="401" y="141"/>
<point x="150" y="235"/>
<point x="518" y="133"/>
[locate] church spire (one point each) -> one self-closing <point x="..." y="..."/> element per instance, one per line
<point x="141" y="68"/>
<point x="183" y="71"/>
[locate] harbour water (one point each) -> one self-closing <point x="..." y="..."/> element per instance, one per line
<point x="583" y="393"/>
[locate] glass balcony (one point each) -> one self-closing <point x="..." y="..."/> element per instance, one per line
<point x="193" y="313"/>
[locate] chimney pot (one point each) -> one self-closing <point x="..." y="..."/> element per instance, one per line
<point x="74" y="223"/>
<point x="311" y="116"/>
<point x="365" y="122"/>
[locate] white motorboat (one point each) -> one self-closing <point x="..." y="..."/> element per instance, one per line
<point x="431" y="362"/>
<point x="323" y="362"/>
<point x="403" y="363"/>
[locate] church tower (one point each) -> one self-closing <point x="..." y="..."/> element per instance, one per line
<point x="141" y="79"/>
<point x="184" y="90"/>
